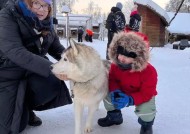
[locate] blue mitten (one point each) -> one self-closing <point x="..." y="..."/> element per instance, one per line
<point x="120" y="100"/>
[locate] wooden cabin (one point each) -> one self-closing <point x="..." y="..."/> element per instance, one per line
<point x="154" y="22"/>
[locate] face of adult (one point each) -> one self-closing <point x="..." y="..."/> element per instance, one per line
<point x="40" y="8"/>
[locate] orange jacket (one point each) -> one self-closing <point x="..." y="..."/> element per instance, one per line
<point x="89" y="32"/>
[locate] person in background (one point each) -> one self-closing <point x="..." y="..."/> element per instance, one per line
<point x="132" y="82"/>
<point x="26" y="80"/>
<point x="115" y="22"/>
<point x="89" y="34"/>
<point x="135" y="20"/>
<point x="80" y="33"/>
<point x="134" y="24"/>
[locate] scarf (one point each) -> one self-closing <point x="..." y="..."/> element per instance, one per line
<point x="124" y="66"/>
<point x="32" y="19"/>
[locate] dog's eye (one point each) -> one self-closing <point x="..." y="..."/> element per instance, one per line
<point x="65" y="59"/>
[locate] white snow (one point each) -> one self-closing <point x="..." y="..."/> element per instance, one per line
<point x="74" y="19"/>
<point x="180" y="25"/>
<point x="173" y="108"/>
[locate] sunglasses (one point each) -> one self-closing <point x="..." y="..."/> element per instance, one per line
<point x="122" y="51"/>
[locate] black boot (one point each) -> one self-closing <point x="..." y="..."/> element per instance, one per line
<point x="146" y="127"/>
<point x="146" y="130"/>
<point x="34" y="120"/>
<point x="113" y="118"/>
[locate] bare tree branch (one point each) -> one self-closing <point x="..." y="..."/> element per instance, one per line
<point x="177" y="11"/>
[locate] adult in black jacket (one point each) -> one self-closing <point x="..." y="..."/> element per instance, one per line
<point x="26" y="81"/>
<point x="110" y="23"/>
<point x="80" y="33"/>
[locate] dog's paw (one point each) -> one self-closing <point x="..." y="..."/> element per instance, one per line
<point x="88" y="129"/>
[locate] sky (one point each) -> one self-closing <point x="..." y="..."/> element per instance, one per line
<point x="172" y="101"/>
<point x="107" y="4"/>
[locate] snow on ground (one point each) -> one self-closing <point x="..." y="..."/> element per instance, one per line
<point x="173" y="99"/>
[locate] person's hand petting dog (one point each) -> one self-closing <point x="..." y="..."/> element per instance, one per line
<point x="62" y="77"/>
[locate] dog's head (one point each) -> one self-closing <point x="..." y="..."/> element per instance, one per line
<point x="79" y="62"/>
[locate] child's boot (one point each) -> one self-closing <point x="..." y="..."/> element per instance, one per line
<point x="146" y="127"/>
<point x="113" y="118"/>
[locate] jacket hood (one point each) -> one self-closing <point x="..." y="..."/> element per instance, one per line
<point x="115" y="9"/>
<point x="132" y="43"/>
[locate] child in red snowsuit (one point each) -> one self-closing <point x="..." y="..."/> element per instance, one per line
<point x="132" y="82"/>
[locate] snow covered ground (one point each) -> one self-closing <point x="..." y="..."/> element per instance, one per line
<point x="173" y="99"/>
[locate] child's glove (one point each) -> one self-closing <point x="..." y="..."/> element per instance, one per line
<point x="120" y="99"/>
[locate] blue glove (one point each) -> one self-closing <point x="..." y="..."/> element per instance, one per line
<point x="120" y="100"/>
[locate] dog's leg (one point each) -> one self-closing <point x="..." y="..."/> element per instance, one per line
<point x="91" y="110"/>
<point x="78" y="116"/>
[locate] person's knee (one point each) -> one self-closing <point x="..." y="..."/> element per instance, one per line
<point x="41" y="90"/>
<point x="35" y="81"/>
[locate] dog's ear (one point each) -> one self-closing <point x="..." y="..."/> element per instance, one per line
<point x="73" y="45"/>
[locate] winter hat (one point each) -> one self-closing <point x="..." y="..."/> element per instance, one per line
<point x="130" y="44"/>
<point x="119" y="5"/>
<point x="48" y="1"/>
<point x="135" y="19"/>
<point x="134" y="8"/>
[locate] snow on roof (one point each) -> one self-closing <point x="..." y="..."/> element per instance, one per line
<point x="156" y="8"/>
<point x="180" y="24"/>
<point x="74" y="19"/>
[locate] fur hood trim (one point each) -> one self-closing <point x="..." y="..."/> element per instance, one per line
<point x="133" y="43"/>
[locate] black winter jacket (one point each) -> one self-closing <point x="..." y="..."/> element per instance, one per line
<point x="18" y="46"/>
<point x="22" y="53"/>
<point x="110" y="24"/>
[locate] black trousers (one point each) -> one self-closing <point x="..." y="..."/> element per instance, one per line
<point x="110" y="37"/>
<point x="79" y="37"/>
<point x="87" y="37"/>
<point x="90" y="38"/>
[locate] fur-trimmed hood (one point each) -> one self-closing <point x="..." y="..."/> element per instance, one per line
<point x="132" y="43"/>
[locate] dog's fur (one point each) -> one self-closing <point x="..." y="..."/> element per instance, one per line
<point x="89" y="80"/>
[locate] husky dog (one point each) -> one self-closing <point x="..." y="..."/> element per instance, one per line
<point x="88" y="80"/>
